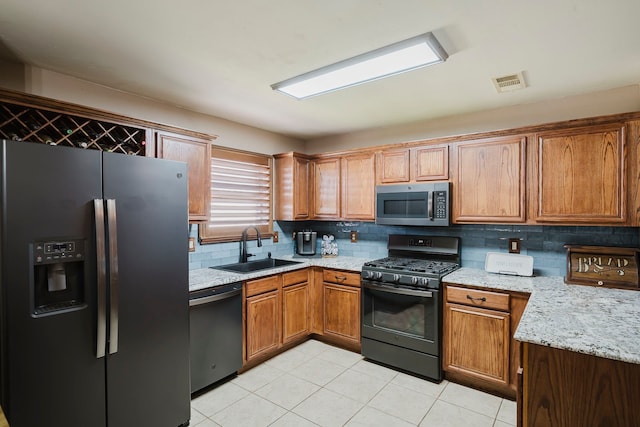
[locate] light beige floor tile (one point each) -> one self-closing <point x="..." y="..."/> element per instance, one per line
<point x="292" y="420"/>
<point x="375" y="370"/>
<point x="287" y="391"/>
<point x="219" y="398"/>
<point x="196" y="417"/>
<point x="418" y="384"/>
<point x="499" y="423"/>
<point x="356" y="385"/>
<point x="443" y="414"/>
<point x="251" y="411"/>
<point x="328" y="409"/>
<point x="508" y="412"/>
<point x="313" y="347"/>
<point x="477" y="401"/>
<point x="205" y="423"/>
<point x="289" y="360"/>
<point x="340" y="356"/>
<point x="257" y="377"/>
<point x="403" y="403"/>
<point x="371" y="417"/>
<point x="318" y="371"/>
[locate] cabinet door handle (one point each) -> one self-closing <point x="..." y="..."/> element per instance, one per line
<point x="341" y="278"/>
<point x="483" y="299"/>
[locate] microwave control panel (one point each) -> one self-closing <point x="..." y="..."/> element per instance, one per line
<point x="440" y="205"/>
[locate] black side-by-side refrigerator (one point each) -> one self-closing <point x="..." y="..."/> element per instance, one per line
<point x="94" y="310"/>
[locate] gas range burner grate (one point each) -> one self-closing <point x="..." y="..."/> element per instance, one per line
<point x="413" y="265"/>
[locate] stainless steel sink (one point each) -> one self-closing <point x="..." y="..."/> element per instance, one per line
<point x="257" y="265"/>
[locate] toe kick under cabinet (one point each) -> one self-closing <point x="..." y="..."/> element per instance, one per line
<point x="478" y="345"/>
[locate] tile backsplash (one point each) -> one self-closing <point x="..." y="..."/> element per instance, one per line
<point x="543" y="243"/>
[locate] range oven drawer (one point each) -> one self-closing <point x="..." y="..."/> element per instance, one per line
<point x="478" y="298"/>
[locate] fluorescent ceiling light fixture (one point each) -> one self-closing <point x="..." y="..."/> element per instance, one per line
<point x="407" y="55"/>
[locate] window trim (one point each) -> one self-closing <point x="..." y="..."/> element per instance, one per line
<point x="231" y="154"/>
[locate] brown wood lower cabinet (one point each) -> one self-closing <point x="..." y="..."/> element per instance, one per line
<point x="567" y="389"/>
<point x="483" y="337"/>
<point x="263" y="313"/>
<point x="295" y="306"/>
<point x="341" y="307"/>
<point x="284" y="309"/>
<point x="479" y="349"/>
<point x="276" y="313"/>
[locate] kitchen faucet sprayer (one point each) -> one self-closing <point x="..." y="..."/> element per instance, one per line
<point x="244" y="256"/>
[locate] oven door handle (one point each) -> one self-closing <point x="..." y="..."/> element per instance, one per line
<point x="410" y="292"/>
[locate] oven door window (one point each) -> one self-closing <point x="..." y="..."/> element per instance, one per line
<point x="411" y="316"/>
<point x="399" y="315"/>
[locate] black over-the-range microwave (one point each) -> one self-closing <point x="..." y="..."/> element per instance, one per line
<point x="413" y="204"/>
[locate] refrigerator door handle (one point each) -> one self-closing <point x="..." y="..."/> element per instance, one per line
<point x="113" y="275"/>
<point x="101" y="335"/>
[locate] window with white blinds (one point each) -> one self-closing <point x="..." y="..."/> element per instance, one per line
<point x="240" y="195"/>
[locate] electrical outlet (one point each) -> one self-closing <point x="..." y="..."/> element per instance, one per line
<point x="192" y="244"/>
<point x="514" y="246"/>
<point x="353" y="236"/>
<point x="275" y="237"/>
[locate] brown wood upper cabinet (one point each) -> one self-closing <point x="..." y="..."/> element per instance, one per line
<point x="580" y="175"/>
<point x="293" y="187"/>
<point x="358" y="186"/>
<point x="429" y="163"/>
<point x="197" y="154"/>
<point x="393" y="166"/>
<point x="489" y="180"/>
<point x="345" y="187"/>
<point x="327" y="188"/>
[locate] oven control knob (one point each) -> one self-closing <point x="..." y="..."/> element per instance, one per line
<point x="424" y="281"/>
<point x="414" y="280"/>
<point x="366" y="274"/>
<point x="396" y="278"/>
<point x="377" y="275"/>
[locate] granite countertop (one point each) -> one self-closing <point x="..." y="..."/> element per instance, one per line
<point x="208" y="277"/>
<point x="598" y="321"/>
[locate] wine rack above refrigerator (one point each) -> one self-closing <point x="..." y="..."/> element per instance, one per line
<point x="50" y="126"/>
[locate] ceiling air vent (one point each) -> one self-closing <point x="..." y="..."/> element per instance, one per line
<point x="509" y="83"/>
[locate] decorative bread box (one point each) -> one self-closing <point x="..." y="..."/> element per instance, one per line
<point x="610" y="267"/>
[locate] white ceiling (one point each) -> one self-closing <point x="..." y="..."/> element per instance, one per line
<point x="220" y="57"/>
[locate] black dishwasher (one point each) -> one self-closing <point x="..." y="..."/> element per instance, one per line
<point x="215" y="334"/>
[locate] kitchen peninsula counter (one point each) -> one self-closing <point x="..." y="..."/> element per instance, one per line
<point x="602" y="322"/>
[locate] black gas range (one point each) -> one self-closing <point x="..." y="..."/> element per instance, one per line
<point x="402" y="303"/>
<point x="415" y="261"/>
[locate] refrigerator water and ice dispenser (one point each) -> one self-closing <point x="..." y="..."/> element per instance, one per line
<point x="58" y="275"/>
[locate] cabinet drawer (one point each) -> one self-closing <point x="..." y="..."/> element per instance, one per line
<point x="294" y="277"/>
<point x="341" y="277"/>
<point x="258" y="286"/>
<point x="476" y="298"/>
